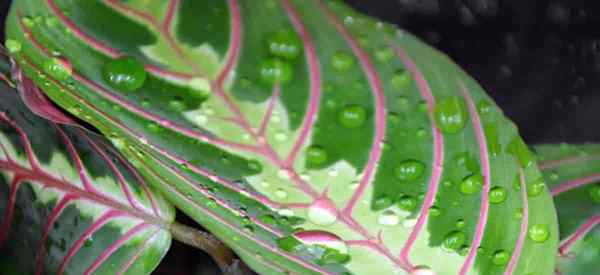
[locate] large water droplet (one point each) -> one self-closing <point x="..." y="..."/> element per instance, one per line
<point x="342" y="61"/>
<point x="124" y="74"/>
<point x="275" y="70"/>
<point x="451" y="115"/>
<point x="316" y="155"/>
<point x="388" y="218"/>
<point x="536" y="187"/>
<point x="539" y="233"/>
<point x="382" y="203"/>
<point x="352" y="116"/>
<point x="497" y="194"/>
<point x="409" y="170"/>
<point x="500" y="257"/>
<point x="58" y="68"/>
<point x="322" y="212"/>
<point x="454" y="240"/>
<point x="326" y="246"/>
<point x="285" y="44"/>
<point x="471" y="184"/>
<point x="422" y="270"/>
<point x="408" y="203"/>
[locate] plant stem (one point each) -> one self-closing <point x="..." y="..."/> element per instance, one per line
<point x="206" y="242"/>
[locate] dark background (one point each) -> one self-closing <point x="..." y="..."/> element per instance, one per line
<point x="539" y="59"/>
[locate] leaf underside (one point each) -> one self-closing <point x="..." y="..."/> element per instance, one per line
<point x="309" y="138"/>
<point x="572" y="173"/>
<point x="69" y="203"/>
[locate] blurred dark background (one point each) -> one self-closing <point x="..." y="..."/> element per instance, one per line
<point x="539" y="59"/>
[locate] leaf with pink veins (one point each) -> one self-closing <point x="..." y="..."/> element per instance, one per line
<point x="572" y="173"/>
<point x="319" y="124"/>
<point x="68" y="204"/>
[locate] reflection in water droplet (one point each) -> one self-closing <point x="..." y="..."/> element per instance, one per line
<point x="285" y="44"/>
<point x="471" y="184"/>
<point x="497" y="194"/>
<point x="409" y="170"/>
<point x="316" y="155"/>
<point x="451" y="115"/>
<point x="500" y="257"/>
<point x="454" y="240"/>
<point x="124" y="74"/>
<point x="342" y="61"/>
<point x="388" y="218"/>
<point x="352" y="116"/>
<point x="60" y="69"/>
<point x="539" y="233"/>
<point x="275" y="70"/>
<point x="322" y="212"/>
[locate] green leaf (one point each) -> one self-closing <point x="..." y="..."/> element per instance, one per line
<point x="310" y="125"/>
<point x="572" y="173"/>
<point x="69" y="202"/>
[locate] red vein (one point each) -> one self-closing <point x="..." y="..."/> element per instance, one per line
<point x="105" y="218"/>
<point x="138" y="252"/>
<point x="56" y="212"/>
<point x="168" y="20"/>
<point x="568" y="185"/>
<point x="235" y="42"/>
<point x="438" y="151"/>
<point x="105" y="49"/>
<point x="269" y="113"/>
<point x="8" y="216"/>
<point x="114" y="247"/>
<point x="32" y="158"/>
<point x="516" y="255"/>
<point x="314" y="71"/>
<point x="485" y="170"/>
<point x="581" y="231"/>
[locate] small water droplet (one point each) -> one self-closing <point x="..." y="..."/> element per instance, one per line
<point x="451" y="115"/>
<point x="60" y="69"/>
<point x="408" y="203"/>
<point x="342" y="61"/>
<point x="500" y="257"/>
<point x="497" y="194"/>
<point x="316" y="155"/>
<point x="539" y="233"/>
<point x="471" y="184"/>
<point x="536" y="187"/>
<point x="322" y="212"/>
<point x="125" y="74"/>
<point x="280" y="193"/>
<point x="382" y="203"/>
<point x="352" y="116"/>
<point x="435" y="211"/>
<point x="409" y="170"/>
<point x="275" y="70"/>
<point x="401" y="79"/>
<point x="454" y="240"/>
<point x="460" y="223"/>
<point x="281" y="136"/>
<point x="384" y="54"/>
<point x="285" y="44"/>
<point x="422" y="270"/>
<point x="388" y="218"/>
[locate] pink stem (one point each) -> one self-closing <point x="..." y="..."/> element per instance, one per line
<point x="566" y="244"/>
<point x="516" y="255"/>
<point x="566" y="186"/>
<point x="269" y="113"/>
<point x="485" y="170"/>
<point x="438" y="152"/>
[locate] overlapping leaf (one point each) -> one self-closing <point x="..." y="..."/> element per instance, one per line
<point x="319" y="139"/>
<point x="69" y="203"/>
<point x="573" y="175"/>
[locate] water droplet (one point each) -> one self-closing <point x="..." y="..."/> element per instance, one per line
<point x="284" y="174"/>
<point x="275" y="70"/>
<point x="316" y="155"/>
<point x="322" y="212"/>
<point x="13" y="46"/>
<point x="518" y="214"/>
<point x="285" y="44"/>
<point x="538" y="233"/>
<point x="125" y="74"/>
<point x="519" y="149"/>
<point x="342" y="61"/>
<point x="536" y="187"/>
<point x="451" y="115"/>
<point x="255" y="166"/>
<point x="595" y="193"/>
<point x="28" y="22"/>
<point x="280" y="193"/>
<point x="471" y="184"/>
<point x="422" y="270"/>
<point x="454" y="240"/>
<point x="382" y="203"/>
<point x="352" y="116"/>
<point x="500" y="257"/>
<point x="407" y="203"/>
<point x="58" y="68"/>
<point x="401" y="79"/>
<point x="385" y="54"/>
<point x="388" y="218"/>
<point x="460" y="223"/>
<point x="88" y="242"/>
<point x="281" y="136"/>
<point x="497" y="194"/>
<point x="435" y="211"/>
<point x="409" y="170"/>
<point x="177" y="105"/>
<point x="484" y="107"/>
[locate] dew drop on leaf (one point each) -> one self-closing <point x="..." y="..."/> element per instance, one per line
<point x="497" y="194"/>
<point x="538" y="233"/>
<point x="13" y="46"/>
<point x="484" y="107"/>
<point x="285" y="44"/>
<point x="316" y="155"/>
<point x="460" y="223"/>
<point x="342" y="61"/>
<point x="352" y="116"/>
<point x="409" y="170"/>
<point x="401" y="79"/>
<point x="535" y="188"/>
<point x="382" y="203"/>
<point x="500" y="257"/>
<point x="471" y="184"/>
<point x="435" y="211"/>
<point x="454" y="240"/>
<point x="125" y="74"/>
<point x="407" y="203"/>
<point x="388" y="218"/>
<point x="58" y="68"/>
<point x="595" y="193"/>
<point x="451" y="115"/>
<point x="322" y="212"/>
<point x="274" y="70"/>
<point x="280" y="193"/>
<point x="384" y="54"/>
<point x="422" y="270"/>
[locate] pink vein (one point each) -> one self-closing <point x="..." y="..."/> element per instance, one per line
<point x="568" y="185"/>
<point x="105" y="49"/>
<point x="314" y="71"/>
<point x="235" y="42"/>
<point x="438" y="151"/>
<point x="485" y="170"/>
<point x="101" y="221"/>
<point x="565" y="245"/>
<point x="522" y="231"/>
<point x="380" y="123"/>
<point x="168" y="20"/>
<point x="56" y="212"/>
<point x="138" y="253"/>
<point x="269" y="113"/>
<point x="566" y="161"/>
<point x="114" y="247"/>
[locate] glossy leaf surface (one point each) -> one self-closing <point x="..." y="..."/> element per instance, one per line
<point x="573" y="175"/>
<point x="319" y="139"/>
<point x="71" y="204"/>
